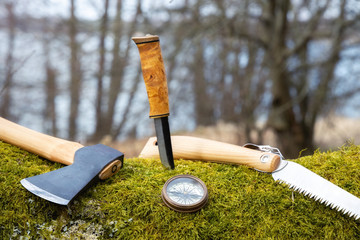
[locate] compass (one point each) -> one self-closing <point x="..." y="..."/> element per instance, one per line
<point x="184" y="193"/>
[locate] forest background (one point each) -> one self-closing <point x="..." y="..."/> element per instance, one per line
<point x="70" y="69"/>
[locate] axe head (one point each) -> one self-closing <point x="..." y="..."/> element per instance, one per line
<point x="62" y="185"/>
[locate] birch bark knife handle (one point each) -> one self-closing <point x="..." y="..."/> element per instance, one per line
<point x="51" y="148"/>
<point x="153" y="70"/>
<point x="193" y="148"/>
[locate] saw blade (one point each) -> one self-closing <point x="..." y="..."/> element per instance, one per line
<point x="309" y="183"/>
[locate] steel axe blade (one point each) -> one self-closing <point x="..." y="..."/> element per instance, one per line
<point x="62" y="185"/>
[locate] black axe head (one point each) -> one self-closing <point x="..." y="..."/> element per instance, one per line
<point x="62" y="185"/>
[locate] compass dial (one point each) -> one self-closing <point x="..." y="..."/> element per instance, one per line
<point x="185" y="193"/>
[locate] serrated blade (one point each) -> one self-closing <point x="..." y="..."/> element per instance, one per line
<point x="305" y="181"/>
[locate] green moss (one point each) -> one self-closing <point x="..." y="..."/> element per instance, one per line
<point x="243" y="203"/>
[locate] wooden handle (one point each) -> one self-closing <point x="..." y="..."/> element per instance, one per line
<point x="153" y="70"/>
<point x="193" y="148"/>
<point x="51" y="148"/>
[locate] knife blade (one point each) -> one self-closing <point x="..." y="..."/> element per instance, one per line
<point x="153" y="70"/>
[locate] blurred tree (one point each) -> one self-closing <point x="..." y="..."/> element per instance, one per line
<point x="203" y="100"/>
<point x="75" y="73"/>
<point x="106" y="124"/>
<point x="51" y="89"/>
<point x="6" y="91"/>
<point x="120" y="127"/>
<point x="99" y="127"/>
<point x="116" y="70"/>
<point x="295" y="105"/>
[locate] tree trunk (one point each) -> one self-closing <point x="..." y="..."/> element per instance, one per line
<point x="203" y="104"/>
<point x="5" y="92"/>
<point x="117" y="130"/>
<point x="293" y="111"/>
<point x="290" y="135"/>
<point x="100" y="75"/>
<point x="116" y="72"/>
<point x="75" y="74"/>
<point x="50" y="86"/>
<point x="204" y="107"/>
<point x="51" y="92"/>
<point x="99" y="111"/>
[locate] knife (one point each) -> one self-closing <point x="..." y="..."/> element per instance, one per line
<point x="293" y="174"/>
<point x="153" y="70"/>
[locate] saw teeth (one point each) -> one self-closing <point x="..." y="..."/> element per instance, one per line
<point x="304" y="181"/>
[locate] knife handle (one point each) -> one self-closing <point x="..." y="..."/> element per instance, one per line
<point x="153" y="71"/>
<point x="193" y="148"/>
<point x="51" y="148"/>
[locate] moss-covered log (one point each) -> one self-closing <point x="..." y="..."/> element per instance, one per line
<point x="243" y="203"/>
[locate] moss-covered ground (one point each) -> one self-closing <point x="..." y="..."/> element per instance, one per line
<point x="243" y="203"/>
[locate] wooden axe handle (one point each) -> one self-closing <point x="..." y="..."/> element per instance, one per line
<point x="153" y="70"/>
<point x="193" y="148"/>
<point x="51" y="148"/>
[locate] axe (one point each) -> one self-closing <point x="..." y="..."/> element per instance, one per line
<point x="86" y="164"/>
